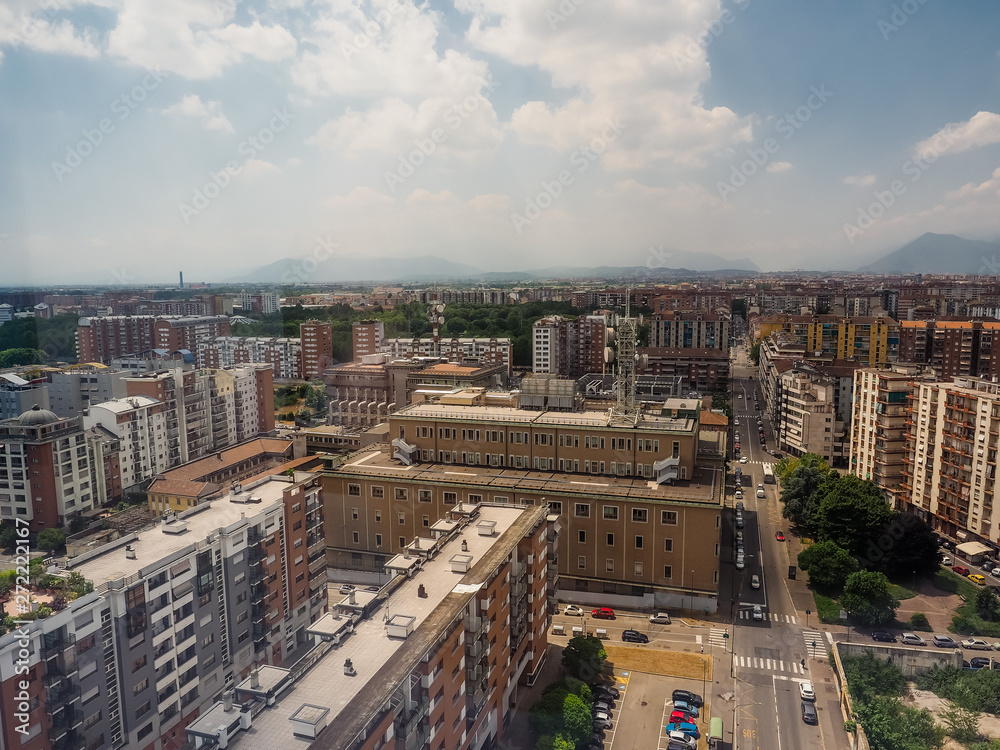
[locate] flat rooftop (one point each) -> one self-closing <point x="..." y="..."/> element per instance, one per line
<point x="513" y="415"/>
<point x="155" y="544"/>
<point x="382" y="662"/>
<point x="377" y="461"/>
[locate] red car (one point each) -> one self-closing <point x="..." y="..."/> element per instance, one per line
<point x="603" y="613"/>
<point x="779" y="535"/>
<point x="681" y="717"/>
<point x="961" y="570"/>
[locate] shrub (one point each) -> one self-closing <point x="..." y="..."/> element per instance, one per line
<point x="918" y="621"/>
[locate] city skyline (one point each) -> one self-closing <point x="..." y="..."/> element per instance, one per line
<point x="505" y="136"/>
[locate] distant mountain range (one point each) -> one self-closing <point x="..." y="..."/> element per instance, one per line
<point x="940" y="253"/>
<point x="433" y="268"/>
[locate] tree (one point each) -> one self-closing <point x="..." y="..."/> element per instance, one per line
<point x="963" y="724"/>
<point x="847" y="510"/>
<point x="800" y="488"/>
<point x="828" y="565"/>
<point x="755" y="354"/>
<point x="918" y="621"/>
<point x="908" y="545"/>
<point x="584" y="657"/>
<point x="51" y="539"/>
<point x="21" y="356"/>
<point x="578" y="722"/>
<point x="545" y="715"/>
<point x="554" y="742"/>
<point x="987" y="604"/>
<point x="8" y="537"/>
<point x="866" y="597"/>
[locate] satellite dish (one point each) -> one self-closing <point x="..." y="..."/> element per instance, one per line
<point x="441" y="319"/>
<point x="439" y="308"/>
<point x="513" y="296"/>
<point x="609" y="354"/>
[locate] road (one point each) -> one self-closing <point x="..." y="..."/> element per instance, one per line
<point x="768" y="654"/>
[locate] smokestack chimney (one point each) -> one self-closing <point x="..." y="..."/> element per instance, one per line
<point x="255" y="678"/>
<point x="227" y="700"/>
<point x="182" y="279"/>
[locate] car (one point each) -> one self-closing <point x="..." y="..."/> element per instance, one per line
<point x="739" y="494"/>
<point x="944" y="641"/>
<point x="688" y="697"/>
<point x="987" y="567"/>
<point x="976" y="644"/>
<point x="761" y="494"/>
<point x="680" y="717"/>
<point x="689" y="729"/>
<point x="809" y="715"/>
<point x="660" y="618"/>
<point x="739" y="537"/>
<point x="347" y="588"/>
<point x="603" y="613"/>
<point x="755" y="581"/>
<point x="980" y="662"/>
<point x="760" y="485"/>
<point x="743" y="459"/>
<point x="634" y="636"/>
<point x="739" y="507"/>
<point x="806" y="691"/>
<point x="736" y="422"/>
<point x="977" y="578"/>
<point x="779" y="535"/>
<point x="946" y="560"/>
<point x="960" y="569"/>
<point x="884" y="636"/>
<point x="758" y="613"/>
<point x="373" y="589"/>
<point x="686" y="708"/>
<point x="603" y="706"/>
<point x="740" y="562"/>
<point x="573" y="611"/>
<point x="912" y="639"/>
<point x="739" y="522"/>
<point x="995" y="572"/>
<point x="602" y="720"/>
<point x="602" y="691"/>
<point x="682" y="740"/>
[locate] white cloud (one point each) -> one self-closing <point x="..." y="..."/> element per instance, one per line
<point x="293" y="161"/>
<point x="28" y="26"/>
<point x="255" y="168"/>
<point x="989" y="189"/>
<point x="860" y="180"/>
<point x="209" y="113"/>
<point x="982" y="130"/>
<point x="777" y="167"/>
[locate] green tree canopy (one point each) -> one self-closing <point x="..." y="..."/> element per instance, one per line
<point x="51" y="539"/>
<point x="800" y="486"/>
<point x="828" y="565"/>
<point x="908" y="545"/>
<point x="847" y="510"/>
<point x="866" y="598"/>
<point x="584" y="657"/>
<point x="578" y="722"/>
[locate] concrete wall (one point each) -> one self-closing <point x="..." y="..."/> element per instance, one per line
<point x="912" y="661"/>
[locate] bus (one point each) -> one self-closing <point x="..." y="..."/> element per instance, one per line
<point x="768" y="474"/>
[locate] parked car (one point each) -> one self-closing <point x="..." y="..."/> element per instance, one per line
<point x="602" y="720"/>
<point x="946" y="560"/>
<point x="912" y="639"/>
<point x="960" y="569"/>
<point x="634" y="636"/>
<point x="686" y="708"/>
<point x="573" y="611"/>
<point x="806" y="691"/>
<point x="347" y="588"/>
<point x="779" y="535"/>
<point x="681" y="717"/>
<point x="599" y="688"/>
<point x="995" y="572"/>
<point x="761" y="493"/>
<point x="977" y="578"/>
<point x="688" y="697"/>
<point x="682" y="740"/>
<point x="944" y="641"/>
<point x="976" y="644"/>
<point x="741" y="562"/>
<point x="739" y="520"/>
<point x="755" y="581"/>
<point x="603" y="613"/>
<point x="660" y="618"/>
<point x="758" y="613"/>
<point x="884" y="636"/>
<point x="739" y="494"/>
<point x="689" y="729"/>
<point x="603" y="706"/>
<point x="809" y="715"/>
<point x="743" y="459"/>
<point x="980" y="662"/>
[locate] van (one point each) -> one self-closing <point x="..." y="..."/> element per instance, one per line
<point x="715" y="733"/>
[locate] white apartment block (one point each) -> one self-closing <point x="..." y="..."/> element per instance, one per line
<point x="808" y="419"/>
<point x="880" y="412"/>
<point x="140" y="423"/>
<point x="283" y="354"/>
<point x="546" y="345"/>
<point x="485" y="350"/>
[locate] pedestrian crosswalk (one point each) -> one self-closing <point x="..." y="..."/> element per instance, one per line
<point x="746" y="614"/>
<point x="770" y="665"/>
<point x="717" y="637"/>
<point x="816" y="645"/>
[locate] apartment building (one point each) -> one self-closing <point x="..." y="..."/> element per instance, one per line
<point x="140" y="425"/>
<point x="45" y="469"/>
<point x="950" y="466"/>
<point x="879" y="425"/>
<point x="101" y="339"/>
<point x="283" y="354"/>
<point x="954" y="348"/>
<point x="689" y="330"/>
<point x="259" y="302"/>
<point x="17" y="395"/>
<point x="701" y="370"/>
<point x="72" y="391"/>
<point x="710" y="300"/>
<point x="487" y="351"/>
<point x="569" y="347"/>
<point x="808" y="420"/>
<point x="367" y="337"/>
<point x="869" y="341"/>
<point x="317" y="348"/>
<point x="435" y="658"/>
<point x="180" y="613"/>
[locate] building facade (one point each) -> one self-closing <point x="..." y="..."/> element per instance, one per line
<point x="101" y="339"/>
<point x="367" y="337"/>
<point x="569" y="347"/>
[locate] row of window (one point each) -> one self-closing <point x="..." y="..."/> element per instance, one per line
<point x="668" y="544"/>
<point x="639" y="515"/>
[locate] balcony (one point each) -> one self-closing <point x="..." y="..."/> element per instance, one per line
<point x="317" y="565"/>
<point x="53" y="644"/>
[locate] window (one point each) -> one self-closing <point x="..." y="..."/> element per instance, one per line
<point x="638" y="542"/>
<point x="581" y="562"/>
<point x="424" y="496"/>
<point x="138" y="664"/>
<point x="426" y="520"/>
<point x="638" y="569"/>
<point x="354" y="513"/>
<point x="668" y="545"/>
<point x="354" y="489"/>
<point x="401" y="493"/>
<point x="142" y="710"/>
<point x="609" y="565"/>
<point x="378" y="540"/>
<point x="145" y="731"/>
<point x="582" y="510"/>
<point x="611" y="540"/>
<point x="402" y="518"/>
<point x="450" y="498"/>
<point x="669" y="517"/>
<point x="378" y="492"/>
<point x="611" y="512"/>
<point x="356" y="537"/>
<point x="140" y="686"/>
<point x="402" y="541"/>
<point x="378" y="516"/>
<point x="556" y="507"/>
<point x="668" y="571"/>
<point x="639" y="515"/>
<point x="582" y="536"/>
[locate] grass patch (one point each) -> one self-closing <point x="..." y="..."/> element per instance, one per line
<point x="827" y="609"/>
<point x="966" y="620"/>
<point x="901" y="593"/>
<point x="656" y="661"/>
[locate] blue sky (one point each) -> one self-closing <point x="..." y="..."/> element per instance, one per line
<point x="215" y="136"/>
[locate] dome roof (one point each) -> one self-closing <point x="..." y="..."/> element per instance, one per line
<point x="37" y="416"/>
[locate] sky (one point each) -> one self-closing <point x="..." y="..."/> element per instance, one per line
<point x="213" y="137"/>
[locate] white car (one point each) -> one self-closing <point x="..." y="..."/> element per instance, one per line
<point x="660" y="618"/>
<point x="946" y="560"/>
<point x="740" y="562"/>
<point x="739" y="494"/>
<point x="758" y="613"/>
<point x="995" y="572"/>
<point x="806" y="691"/>
<point x="736" y="422"/>
<point x="912" y="639"/>
<point x="743" y="459"/>
<point x="681" y="739"/>
<point x="761" y="493"/>
<point x="976" y="644"/>
<point x="573" y="611"/>
<point x="755" y="581"/>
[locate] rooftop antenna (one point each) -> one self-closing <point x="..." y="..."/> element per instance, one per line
<point x="625" y="408"/>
